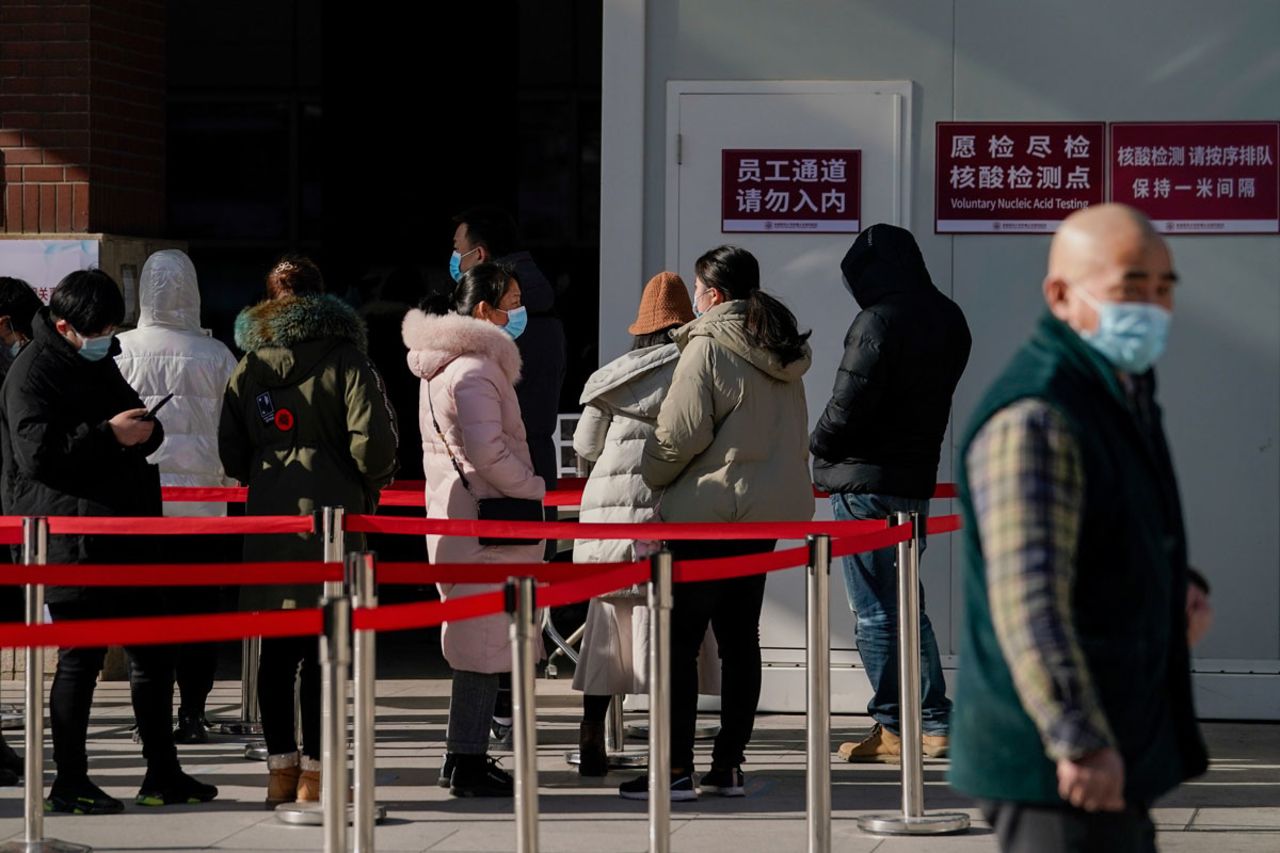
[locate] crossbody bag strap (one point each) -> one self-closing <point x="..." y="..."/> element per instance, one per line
<point x="440" y="433"/>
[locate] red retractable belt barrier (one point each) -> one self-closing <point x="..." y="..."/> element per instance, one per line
<point x="580" y="530"/>
<point x="10" y="531"/>
<point x="944" y="524"/>
<point x="392" y="574"/>
<point x="426" y="614"/>
<point x="171" y="574"/>
<point x="205" y="494"/>
<point x="571" y="592"/>
<point x="159" y="630"/>
<point x="177" y="526"/>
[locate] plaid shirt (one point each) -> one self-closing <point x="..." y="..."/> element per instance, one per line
<point x="1027" y="483"/>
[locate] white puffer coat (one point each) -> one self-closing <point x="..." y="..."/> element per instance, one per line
<point x="169" y="352"/>
<point x="621" y="402"/>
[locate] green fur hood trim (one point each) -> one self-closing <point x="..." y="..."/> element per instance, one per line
<point x="294" y="320"/>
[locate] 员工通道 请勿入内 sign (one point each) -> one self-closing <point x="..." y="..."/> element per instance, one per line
<point x="788" y="191"/>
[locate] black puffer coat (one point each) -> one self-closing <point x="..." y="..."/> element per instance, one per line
<point x="881" y="432"/>
<point x="61" y="458"/>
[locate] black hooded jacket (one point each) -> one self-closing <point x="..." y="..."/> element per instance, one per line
<point x="61" y="458"/>
<point x="881" y="432"/>
<point x="542" y="351"/>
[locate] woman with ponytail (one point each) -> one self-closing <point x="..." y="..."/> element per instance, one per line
<point x="731" y="444"/>
<point x="462" y="346"/>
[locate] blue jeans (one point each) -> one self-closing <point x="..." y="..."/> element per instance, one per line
<point x="871" y="582"/>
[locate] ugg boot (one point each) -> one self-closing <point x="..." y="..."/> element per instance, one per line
<point x="282" y="785"/>
<point x="593" y="760"/>
<point x="309" y="781"/>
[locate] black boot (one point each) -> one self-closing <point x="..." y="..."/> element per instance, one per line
<point x="593" y="760"/>
<point x="11" y="764"/>
<point x="192" y="728"/>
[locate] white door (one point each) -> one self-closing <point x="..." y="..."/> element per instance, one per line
<point x="801" y="269"/>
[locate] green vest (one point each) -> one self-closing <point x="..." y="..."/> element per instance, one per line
<point x="1129" y="596"/>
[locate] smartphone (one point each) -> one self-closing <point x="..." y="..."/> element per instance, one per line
<point x="151" y="412"/>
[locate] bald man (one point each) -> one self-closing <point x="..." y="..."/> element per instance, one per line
<point x="1073" y="704"/>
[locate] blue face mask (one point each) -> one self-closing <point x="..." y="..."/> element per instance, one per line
<point x="1131" y="335"/>
<point x="517" y="319"/>
<point x="96" y="349"/>
<point x="455" y="263"/>
<point x="15" y="348"/>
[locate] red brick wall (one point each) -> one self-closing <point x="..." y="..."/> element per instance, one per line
<point x="82" y="132"/>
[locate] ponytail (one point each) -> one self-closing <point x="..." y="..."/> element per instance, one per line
<point x="774" y="326"/>
<point x="735" y="272"/>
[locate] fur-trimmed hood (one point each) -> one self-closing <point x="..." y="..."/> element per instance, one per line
<point x="293" y="320"/>
<point x="434" y="340"/>
<point x="287" y="338"/>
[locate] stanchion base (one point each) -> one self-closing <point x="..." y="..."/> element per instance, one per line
<point x="256" y="751"/>
<point x="311" y="814"/>
<point x="949" y="823"/>
<point x="617" y="760"/>
<point x="640" y="731"/>
<point x="48" y="845"/>
<point x="237" y="727"/>
<point x="12" y="717"/>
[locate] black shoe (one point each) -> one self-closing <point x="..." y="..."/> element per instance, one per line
<point x="480" y="776"/>
<point x="191" y="729"/>
<point x="682" y="788"/>
<point x="446" y="770"/>
<point x="726" y="783"/>
<point x="8" y="778"/>
<point x="81" y="797"/>
<point x="173" y="788"/>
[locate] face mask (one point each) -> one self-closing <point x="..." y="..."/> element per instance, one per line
<point x="455" y="263"/>
<point x="96" y="349"/>
<point x="15" y="348"/>
<point x="1131" y="335"/>
<point x="517" y="319"/>
<point x="697" y="312"/>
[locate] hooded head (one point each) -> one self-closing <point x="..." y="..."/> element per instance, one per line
<point x="168" y="293"/>
<point x="884" y="259"/>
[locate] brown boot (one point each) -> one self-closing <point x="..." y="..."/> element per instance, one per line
<point x="309" y="781"/>
<point x="936" y="746"/>
<point x="592" y="758"/>
<point x="282" y="785"/>
<point x="880" y="744"/>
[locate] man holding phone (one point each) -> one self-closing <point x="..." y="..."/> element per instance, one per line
<point x="74" y="438"/>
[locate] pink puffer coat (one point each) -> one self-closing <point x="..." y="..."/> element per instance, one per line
<point x="470" y="367"/>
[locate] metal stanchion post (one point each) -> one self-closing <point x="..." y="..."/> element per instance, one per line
<point x="524" y="631"/>
<point x="334" y="661"/>
<point x="250" y="722"/>
<point x="913" y="820"/>
<point x="362" y="579"/>
<point x="660" y="703"/>
<point x="818" y="666"/>
<point x="35" y="549"/>
<point x="335" y="656"/>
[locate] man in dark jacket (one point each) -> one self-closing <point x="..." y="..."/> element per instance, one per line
<point x="1073" y="701"/>
<point x="876" y="449"/>
<point x="74" y="438"/>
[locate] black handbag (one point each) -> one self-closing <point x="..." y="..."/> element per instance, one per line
<point x="491" y="509"/>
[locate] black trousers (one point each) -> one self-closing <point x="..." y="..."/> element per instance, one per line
<point x="1025" y="828"/>
<point x="71" y="697"/>
<point x="195" y="663"/>
<point x="732" y="608"/>
<point x="278" y="667"/>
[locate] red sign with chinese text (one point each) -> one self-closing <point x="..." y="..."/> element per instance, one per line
<point x="790" y="190"/>
<point x="1199" y="177"/>
<point x="1015" y="177"/>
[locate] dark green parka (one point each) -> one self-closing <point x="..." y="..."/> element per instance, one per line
<point x="305" y="424"/>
